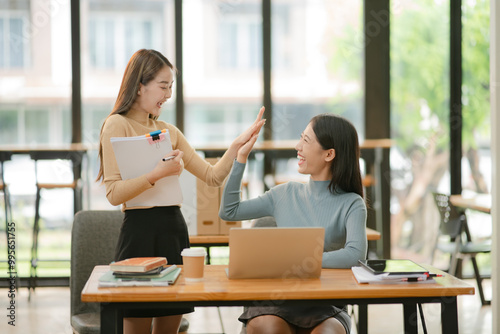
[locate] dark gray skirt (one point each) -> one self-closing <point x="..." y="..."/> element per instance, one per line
<point x="300" y="316"/>
<point x="158" y="231"/>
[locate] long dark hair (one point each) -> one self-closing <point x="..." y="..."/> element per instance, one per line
<point x="142" y="67"/>
<point x="333" y="131"/>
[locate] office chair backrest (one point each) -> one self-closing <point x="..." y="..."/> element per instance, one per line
<point x="93" y="240"/>
<point x="267" y="221"/>
<point x="452" y="221"/>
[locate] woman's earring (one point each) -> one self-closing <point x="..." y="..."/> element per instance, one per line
<point x="138" y="92"/>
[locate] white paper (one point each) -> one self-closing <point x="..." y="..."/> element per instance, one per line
<point x="135" y="157"/>
<point x="364" y="276"/>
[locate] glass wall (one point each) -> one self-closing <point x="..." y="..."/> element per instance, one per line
<point x="317" y="60"/>
<point x="477" y="161"/>
<point x="476" y="170"/>
<point x="35" y="72"/>
<point x="35" y="104"/>
<point x="420" y="121"/>
<point x="111" y="32"/>
<point x="316" y="68"/>
<point x="316" y="63"/>
<point x="222" y="49"/>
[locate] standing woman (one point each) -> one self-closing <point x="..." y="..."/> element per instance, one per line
<point x="154" y="231"/>
<point x="328" y="150"/>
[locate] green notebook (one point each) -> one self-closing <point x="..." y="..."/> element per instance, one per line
<point x="109" y="280"/>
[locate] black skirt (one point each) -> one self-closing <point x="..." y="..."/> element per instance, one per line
<point x="300" y="316"/>
<point x="158" y="231"/>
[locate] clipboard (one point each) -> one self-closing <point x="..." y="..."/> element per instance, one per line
<point x="137" y="156"/>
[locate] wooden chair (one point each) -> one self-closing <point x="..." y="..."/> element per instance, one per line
<point x="93" y="239"/>
<point x="459" y="244"/>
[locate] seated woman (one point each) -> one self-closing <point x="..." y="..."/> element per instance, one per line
<point x="328" y="150"/>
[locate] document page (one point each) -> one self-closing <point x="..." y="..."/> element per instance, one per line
<point x="137" y="156"/>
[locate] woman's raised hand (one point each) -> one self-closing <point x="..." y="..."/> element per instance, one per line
<point x="245" y="149"/>
<point x="247" y="135"/>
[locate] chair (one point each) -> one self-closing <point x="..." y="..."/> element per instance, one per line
<point x="6" y="156"/>
<point x="459" y="244"/>
<point x="93" y="239"/>
<point x="270" y="221"/>
<point x="76" y="160"/>
<point x="267" y="221"/>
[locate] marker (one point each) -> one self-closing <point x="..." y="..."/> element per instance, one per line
<point x="434" y="275"/>
<point x="413" y="279"/>
<point x="169" y="158"/>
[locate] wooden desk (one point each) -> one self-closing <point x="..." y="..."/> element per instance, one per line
<point x="73" y="152"/>
<point x="479" y="202"/>
<point x="289" y="146"/>
<point x="335" y="286"/>
<point x="208" y="241"/>
<point x="223" y="240"/>
<point x="45" y="149"/>
<point x="372" y="235"/>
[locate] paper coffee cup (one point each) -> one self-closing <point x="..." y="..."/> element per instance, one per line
<point x="194" y="263"/>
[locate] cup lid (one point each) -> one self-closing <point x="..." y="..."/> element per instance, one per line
<point x="193" y="252"/>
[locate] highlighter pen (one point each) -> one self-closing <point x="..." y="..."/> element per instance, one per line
<point x="168" y="158"/>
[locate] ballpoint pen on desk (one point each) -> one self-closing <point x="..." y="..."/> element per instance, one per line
<point x="434" y="275"/>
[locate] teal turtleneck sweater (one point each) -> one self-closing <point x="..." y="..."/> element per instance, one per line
<point x="294" y="204"/>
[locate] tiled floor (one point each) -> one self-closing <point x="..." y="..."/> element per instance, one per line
<point x="48" y="313"/>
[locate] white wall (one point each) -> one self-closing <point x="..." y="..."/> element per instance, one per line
<point x="495" y="149"/>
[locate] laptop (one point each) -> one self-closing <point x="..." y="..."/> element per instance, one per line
<point x="275" y="252"/>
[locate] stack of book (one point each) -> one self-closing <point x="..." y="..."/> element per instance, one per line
<point x="391" y="272"/>
<point x="140" y="271"/>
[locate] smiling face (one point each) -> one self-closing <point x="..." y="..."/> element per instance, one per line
<point x="151" y="96"/>
<point x="313" y="159"/>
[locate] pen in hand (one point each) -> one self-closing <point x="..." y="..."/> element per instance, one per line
<point x="168" y="158"/>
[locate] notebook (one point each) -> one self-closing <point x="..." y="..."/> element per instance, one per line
<point x="275" y="252"/>
<point x="110" y="280"/>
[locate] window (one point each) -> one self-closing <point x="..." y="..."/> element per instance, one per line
<point x="419" y="120"/>
<point x="222" y="68"/>
<point x="8" y="125"/>
<point x="239" y="37"/>
<point x="113" y="38"/>
<point x="101" y="39"/>
<point x="315" y="68"/>
<point x="114" y="30"/>
<point x="13" y="42"/>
